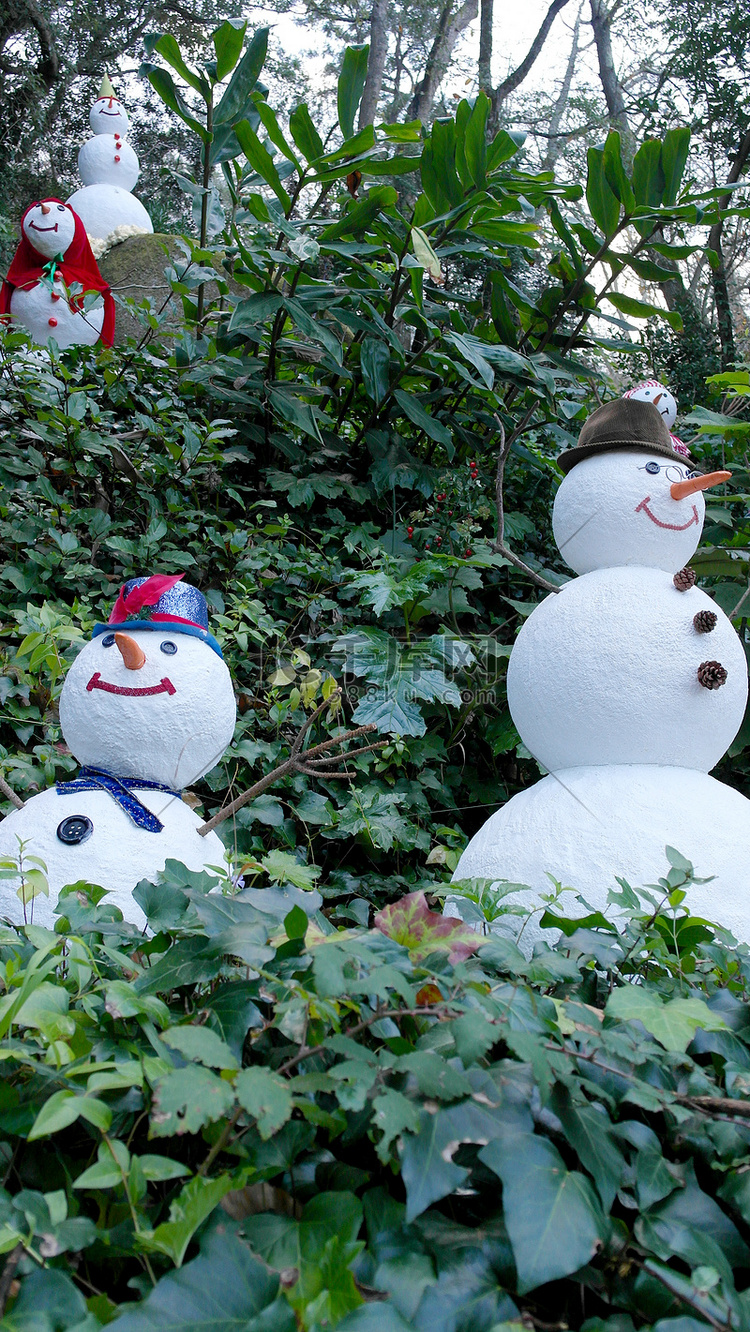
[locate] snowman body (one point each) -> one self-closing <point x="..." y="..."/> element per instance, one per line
<point x="116" y="854"/>
<point x="109" y="169"/>
<point x="50" y="302"/>
<point x="145" y="706"/>
<point x="604" y="687"/>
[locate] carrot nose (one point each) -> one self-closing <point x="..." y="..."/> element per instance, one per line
<point x="681" y="489"/>
<point x="133" y="655"/>
<point x="45" y="208"/>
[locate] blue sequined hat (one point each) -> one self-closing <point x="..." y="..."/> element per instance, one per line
<point x="158" y="601"/>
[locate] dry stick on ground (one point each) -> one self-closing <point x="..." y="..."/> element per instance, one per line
<point x="499" y="543"/>
<point x="10" y="794"/>
<point x="313" y="762"/>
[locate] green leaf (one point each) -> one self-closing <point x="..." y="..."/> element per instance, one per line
<point x="201" y="1044"/>
<point x="615" y="173"/>
<point x="163" y="83"/>
<point x="64" y="1108"/>
<point x="554" y="1220"/>
<point x="167" y="47"/>
<point x="416" y="413"/>
<point x="375" y="362"/>
<point x="186" y="1099"/>
<point x="443" y="144"/>
<point x="261" y="161"/>
<point x="255" y="310"/>
<point x="224" y="1289"/>
<point x="674" y="154"/>
<point x="628" y="305"/>
<point x="351" y="86"/>
<point x="427" y="1167"/>
<point x="266" y="1097"/>
<point x="672" y="1024"/>
<point x="187" y="1212"/>
<point x="360" y="215"/>
<point x="475" y="141"/>
<point x="305" y="134"/>
<point x="233" y="105"/>
<point x="649" y="181"/>
<point x="589" y="1133"/>
<point x="603" y="203"/>
<point x="283" y="868"/>
<point x="227" y="42"/>
<point x="315" y="329"/>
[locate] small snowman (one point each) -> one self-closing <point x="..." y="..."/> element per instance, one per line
<point x="628" y="685"/>
<point x="109" y="169"/>
<point x="52" y="273"/>
<point x="146" y="708"/>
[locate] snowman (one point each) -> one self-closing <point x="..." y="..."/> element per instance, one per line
<point x="109" y="169"/>
<point x="627" y="685"/>
<point x="52" y="273"/>
<point x="146" y="708"/>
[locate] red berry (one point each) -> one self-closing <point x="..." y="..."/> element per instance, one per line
<point x="55" y="296"/>
<point x="438" y="541"/>
<point x="427" y="545"/>
<point x="410" y="531"/>
<point x="468" y="554"/>
<point x="450" y="513"/>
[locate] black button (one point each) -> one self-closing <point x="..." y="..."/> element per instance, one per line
<point x="108" y="640"/>
<point x="75" y="830"/>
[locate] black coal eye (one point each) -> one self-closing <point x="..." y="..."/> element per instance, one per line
<point x="169" y="647"/>
<point x="61" y="208"/>
<point x="108" y="640"/>
<point x="653" y="468"/>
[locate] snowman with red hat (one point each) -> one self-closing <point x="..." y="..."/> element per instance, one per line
<point x="109" y="169"/>
<point x="146" y="708"/>
<point x="628" y="685"/>
<point x="54" y="287"/>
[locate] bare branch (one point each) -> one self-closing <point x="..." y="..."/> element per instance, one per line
<point x="10" y="794"/>
<point x="498" y="544"/>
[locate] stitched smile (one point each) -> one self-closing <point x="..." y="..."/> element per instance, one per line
<point x="164" y="686"/>
<point x="36" y="227"/>
<point x="108" y="113"/>
<point x="673" y="527"/>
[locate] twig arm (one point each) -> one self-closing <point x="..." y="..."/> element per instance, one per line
<point x="498" y="544"/>
<point x="7" y="790"/>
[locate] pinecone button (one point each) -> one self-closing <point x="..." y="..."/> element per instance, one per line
<point x="711" y="674"/>
<point x="684" y="580"/>
<point x="705" y="621"/>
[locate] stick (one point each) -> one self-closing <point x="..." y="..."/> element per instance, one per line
<point x="10" y="794"/>
<point x="499" y="543"/>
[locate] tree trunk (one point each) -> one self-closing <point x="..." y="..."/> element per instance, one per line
<point x="484" y="68"/>
<point x="449" y="30"/>
<point x="555" y="142"/>
<point x="376" y="62"/>
<point x="724" y="323"/>
<point x="601" y="22"/>
<point x="514" y="80"/>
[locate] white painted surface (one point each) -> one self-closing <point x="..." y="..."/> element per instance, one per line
<point x="108" y="116"/>
<point x="605" y="671"/>
<point x="166" y="737"/>
<point x="611" y="510"/>
<point x="653" y="391"/>
<point x="103" y="160"/>
<point x="587" y="825"/>
<point x="116" y="856"/>
<point x="35" y="306"/>
<point x="51" y="232"/>
<point x="101" y="208"/>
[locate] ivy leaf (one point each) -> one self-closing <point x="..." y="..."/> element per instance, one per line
<point x="282" y="868"/>
<point x="187" y="1212"/>
<point x="393" y="1114"/>
<point x="411" y="923"/>
<point x="672" y="1024"/>
<point x="202" y="1044"/>
<point x="266" y="1097"/>
<point x="554" y="1220"/>
<point x="64" y="1108"/>
<point x="427" y="1167"/>
<point x="186" y="1099"/>
<point x="225" y="1288"/>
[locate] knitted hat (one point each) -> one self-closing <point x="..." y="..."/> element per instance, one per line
<point x="625" y="423"/>
<point x="160" y="602"/>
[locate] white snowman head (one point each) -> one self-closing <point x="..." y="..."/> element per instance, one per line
<point x="50" y="227"/>
<point x="150" y="697"/>
<point x="108" y="116"/>
<point x="659" y="396"/>
<point x="628" y="498"/>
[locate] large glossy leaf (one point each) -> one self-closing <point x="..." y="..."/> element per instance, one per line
<point x="421" y="418"/>
<point x="359" y="216"/>
<point x="351" y="86"/>
<point x="167" y="47"/>
<point x="375" y="362"/>
<point x="615" y="172"/>
<point x="225" y="1289"/>
<point x="648" y="174"/>
<point x="603" y="203"/>
<point x="475" y="141"/>
<point x="427" y="1165"/>
<point x="673" y="1024"/>
<point x="261" y="161"/>
<point x="227" y="42"/>
<point x="305" y="134"/>
<point x="232" y="106"/>
<point x="628" y="305"/>
<point x="674" y="155"/>
<point x="163" y="83"/>
<point x="554" y="1220"/>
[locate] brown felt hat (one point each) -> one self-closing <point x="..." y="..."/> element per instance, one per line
<point x="625" y="423"/>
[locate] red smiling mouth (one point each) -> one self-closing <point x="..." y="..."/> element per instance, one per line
<point x="36" y="227"/>
<point x="673" y="527"/>
<point x="165" y="686"/>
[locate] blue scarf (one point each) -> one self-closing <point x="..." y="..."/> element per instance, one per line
<point x="121" y="790"/>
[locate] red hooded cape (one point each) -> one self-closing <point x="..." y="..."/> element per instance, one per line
<point x="78" y="265"/>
